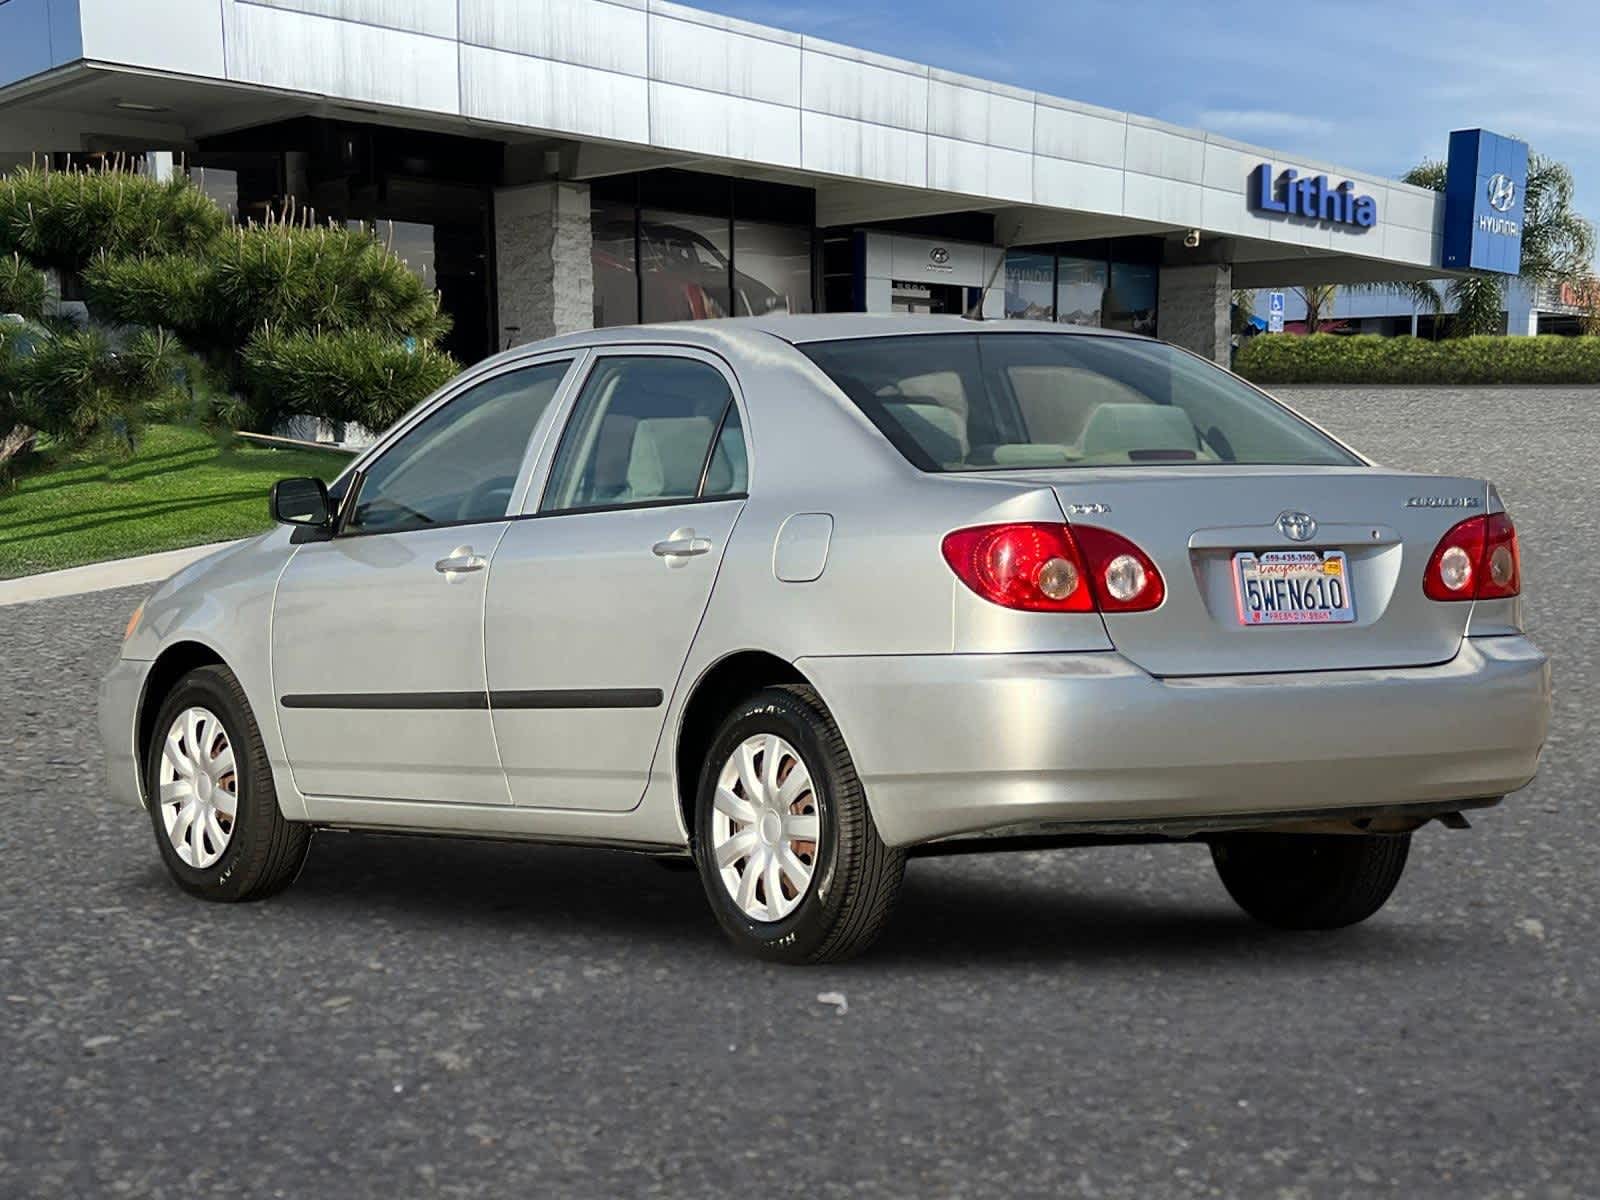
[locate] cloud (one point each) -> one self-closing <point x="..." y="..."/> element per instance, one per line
<point x="1262" y="121"/>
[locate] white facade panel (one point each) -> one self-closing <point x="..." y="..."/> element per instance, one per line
<point x="1225" y="212"/>
<point x="187" y="39"/>
<point x="979" y="116"/>
<point x="1081" y="137"/>
<point x="1170" y="201"/>
<point x="974" y="170"/>
<point x="589" y="33"/>
<point x="837" y="146"/>
<point x="750" y="130"/>
<point x="1168" y="155"/>
<point x="1408" y="245"/>
<point x="437" y="18"/>
<point x="1297" y="232"/>
<point x="1080" y="186"/>
<point x="513" y="89"/>
<point x="719" y="61"/>
<point x="699" y="16"/>
<point x="304" y="53"/>
<point x="1414" y="210"/>
<point x="844" y="88"/>
<point x="1228" y="169"/>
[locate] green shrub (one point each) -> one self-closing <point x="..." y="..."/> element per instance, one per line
<point x="23" y="290"/>
<point x="65" y="219"/>
<point x="1330" y="358"/>
<point x="359" y="376"/>
<point x="290" y="277"/>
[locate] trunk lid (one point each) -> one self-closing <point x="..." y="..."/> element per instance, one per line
<point x="1192" y="522"/>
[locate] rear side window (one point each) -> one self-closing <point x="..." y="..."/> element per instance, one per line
<point x="990" y="402"/>
<point x="648" y="430"/>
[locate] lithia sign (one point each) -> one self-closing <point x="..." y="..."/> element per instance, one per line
<point x="1311" y="198"/>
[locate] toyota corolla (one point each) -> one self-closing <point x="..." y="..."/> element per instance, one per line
<point x="795" y="599"/>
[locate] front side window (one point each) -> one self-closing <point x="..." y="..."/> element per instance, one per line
<point x="986" y="402"/>
<point x="460" y="463"/>
<point x="648" y="430"/>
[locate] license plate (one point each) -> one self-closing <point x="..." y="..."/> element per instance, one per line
<point x="1293" y="587"/>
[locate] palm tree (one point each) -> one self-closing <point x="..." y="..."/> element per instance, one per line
<point x="1318" y="299"/>
<point x="1558" y="246"/>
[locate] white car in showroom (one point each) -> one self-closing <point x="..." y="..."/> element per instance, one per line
<point x="796" y="598"/>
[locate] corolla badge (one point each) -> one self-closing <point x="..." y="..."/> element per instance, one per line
<point x="1443" y="502"/>
<point x="1502" y="192"/>
<point x="1297" y="526"/>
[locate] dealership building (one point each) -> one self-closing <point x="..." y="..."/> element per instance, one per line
<point x="550" y="165"/>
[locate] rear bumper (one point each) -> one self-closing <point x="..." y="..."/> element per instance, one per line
<point x="120" y="691"/>
<point x="987" y="743"/>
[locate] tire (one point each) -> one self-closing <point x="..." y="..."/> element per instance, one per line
<point x="853" y="877"/>
<point x="1310" y="881"/>
<point x="260" y="853"/>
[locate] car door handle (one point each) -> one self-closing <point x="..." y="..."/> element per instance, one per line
<point x="681" y="545"/>
<point x="461" y="560"/>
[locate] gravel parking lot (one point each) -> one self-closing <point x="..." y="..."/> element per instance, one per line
<point x="425" y="1018"/>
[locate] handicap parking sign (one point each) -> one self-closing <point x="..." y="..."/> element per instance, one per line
<point x="1274" y="312"/>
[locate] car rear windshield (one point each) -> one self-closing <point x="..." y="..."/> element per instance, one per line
<point x="1009" y="401"/>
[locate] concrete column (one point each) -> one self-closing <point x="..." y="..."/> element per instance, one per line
<point x="1194" y="308"/>
<point x="544" y="264"/>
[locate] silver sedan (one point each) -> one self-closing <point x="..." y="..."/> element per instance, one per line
<point x="794" y="599"/>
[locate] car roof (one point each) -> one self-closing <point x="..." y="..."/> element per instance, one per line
<point x="753" y="333"/>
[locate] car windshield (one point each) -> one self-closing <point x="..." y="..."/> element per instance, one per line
<point x="1006" y="401"/>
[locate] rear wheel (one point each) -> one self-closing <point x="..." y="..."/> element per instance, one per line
<point x="212" y="801"/>
<point x="790" y="858"/>
<point x="1310" y="881"/>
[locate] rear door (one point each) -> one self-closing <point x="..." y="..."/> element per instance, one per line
<point x="377" y="634"/>
<point x="595" y="596"/>
<point x="1196" y="522"/>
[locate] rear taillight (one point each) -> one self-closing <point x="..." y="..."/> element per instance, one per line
<point x="1476" y="560"/>
<point x="1041" y="567"/>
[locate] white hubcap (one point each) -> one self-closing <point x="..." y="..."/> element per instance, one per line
<point x="765" y="827"/>
<point x="199" y="787"/>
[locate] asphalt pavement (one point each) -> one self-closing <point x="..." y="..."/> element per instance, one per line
<point x="451" y="1018"/>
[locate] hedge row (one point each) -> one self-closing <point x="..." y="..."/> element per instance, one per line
<point x="1330" y="358"/>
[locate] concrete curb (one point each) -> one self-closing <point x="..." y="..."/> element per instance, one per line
<point x="101" y="577"/>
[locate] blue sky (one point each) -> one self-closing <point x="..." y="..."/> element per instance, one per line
<point x="1373" y="86"/>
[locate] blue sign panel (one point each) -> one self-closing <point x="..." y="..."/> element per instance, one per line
<point x="1311" y="198"/>
<point x="1483" y="202"/>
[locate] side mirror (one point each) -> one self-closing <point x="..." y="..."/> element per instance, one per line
<point x="303" y="503"/>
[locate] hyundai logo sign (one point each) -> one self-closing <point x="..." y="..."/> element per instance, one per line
<point x="1312" y="198"/>
<point x="1485" y="197"/>
<point x="939" y="256"/>
<point x="1502" y="193"/>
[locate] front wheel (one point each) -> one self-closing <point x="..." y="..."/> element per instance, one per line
<point x="1310" y="881"/>
<point x="212" y="801"/>
<point x="790" y="858"/>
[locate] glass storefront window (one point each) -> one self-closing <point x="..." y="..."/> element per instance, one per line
<point x="1131" y="300"/>
<point x="683" y="266"/>
<point x="1081" y="291"/>
<point x="772" y="269"/>
<point x="616" y="269"/>
<point x="413" y="244"/>
<point x="1030" y="286"/>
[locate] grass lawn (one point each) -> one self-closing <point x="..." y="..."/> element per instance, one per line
<point x="184" y="487"/>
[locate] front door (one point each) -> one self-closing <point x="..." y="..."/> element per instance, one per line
<point x="593" y="600"/>
<point x="377" y="634"/>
